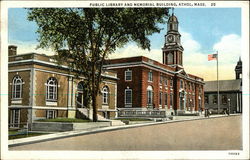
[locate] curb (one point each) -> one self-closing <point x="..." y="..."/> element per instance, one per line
<point x="36" y="139"/>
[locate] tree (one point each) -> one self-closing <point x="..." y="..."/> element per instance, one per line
<point x="84" y="37"/>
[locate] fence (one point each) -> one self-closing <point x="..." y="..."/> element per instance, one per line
<point x="142" y="114"/>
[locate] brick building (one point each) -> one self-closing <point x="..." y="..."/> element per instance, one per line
<point x="145" y="84"/>
<point x="39" y="88"/>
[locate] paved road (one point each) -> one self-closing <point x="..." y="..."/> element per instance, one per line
<point x="224" y="133"/>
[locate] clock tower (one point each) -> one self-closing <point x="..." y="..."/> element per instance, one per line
<point x="172" y="50"/>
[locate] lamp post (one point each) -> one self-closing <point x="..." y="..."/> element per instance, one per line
<point x="229" y="106"/>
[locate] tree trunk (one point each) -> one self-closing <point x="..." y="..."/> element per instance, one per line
<point x="94" y="94"/>
<point x="94" y="104"/>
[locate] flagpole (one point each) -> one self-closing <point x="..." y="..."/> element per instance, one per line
<point x="218" y="97"/>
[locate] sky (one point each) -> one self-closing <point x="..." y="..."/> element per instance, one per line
<point x="203" y="31"/>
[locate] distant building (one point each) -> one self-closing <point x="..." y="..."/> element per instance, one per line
<point x="230" y="93"/>
<point x="145" y="84"/>
<point x="41" y="89"/>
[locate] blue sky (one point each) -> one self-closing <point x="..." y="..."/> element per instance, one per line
<point x="203" y="31"/>
<point x="207" y="25"/>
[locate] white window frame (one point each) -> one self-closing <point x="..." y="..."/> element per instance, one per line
<point x="150" y="96"/>
<point x="79" y="91"/>
<point x="13" y="118"/>
<point x="51" y="83"/>
<point x="166" y="82"/>
<point x="126" y="75"/>
<point x="150" y="76"/>
<point x="161" y="79"/>
<point x="131" y="99"/>
<point x="53" y="114"/>
<point x="181" y="84"/>
<point x="171" y="100"/>
<point x="105" y="95"/>
<point x="17" y="81"/>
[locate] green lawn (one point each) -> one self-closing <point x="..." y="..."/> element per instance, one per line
<point x="13" y="132"/>
<point x="23" y="135"/>
<point x="65" y="120"/>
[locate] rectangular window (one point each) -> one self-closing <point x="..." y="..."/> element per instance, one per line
<point x="128" y="97"/>
<point x="214" y="99"/>
<point x="166" y="82"/>
<point x="15" y="118"/>
<point x="206" y="99"/>
<point x="166" y="99"/>
<point x="128" y="75"/>
<point x="171" y="100"/>
<point x="160" y="98"/>
<point x="171" y="82"/>
<point x="51" y="114"/>
<point x="181" y="83"/>
<point x="161" y="79"/>
<point x="150" y="76"/>
<point x="224" y="99"/>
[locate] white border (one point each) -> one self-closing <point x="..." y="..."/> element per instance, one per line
<point x="119" y="154"/>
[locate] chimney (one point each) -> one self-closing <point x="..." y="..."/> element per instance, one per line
<point x="12" y="50"/>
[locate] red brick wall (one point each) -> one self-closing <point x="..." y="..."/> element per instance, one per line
<point x="140" y="83"/>
<point x="135" y="85"/>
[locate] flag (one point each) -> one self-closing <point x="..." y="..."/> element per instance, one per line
<point x="212" y="57"/>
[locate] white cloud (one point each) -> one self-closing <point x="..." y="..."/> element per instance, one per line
<point x="28" y="47"/>
<point x="194" y="60"/>
<point x="229" y="49"/>
<point x="132" y="50"/>
<point x="188" y="43"/>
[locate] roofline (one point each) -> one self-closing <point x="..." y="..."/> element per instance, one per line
<point x="238" y="91"/>
<point x="51" y="64"/>
<point x="30" y="53"/>
<point x="224" y="80"/>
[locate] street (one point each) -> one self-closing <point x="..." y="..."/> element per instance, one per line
<point x="222" y="133"/>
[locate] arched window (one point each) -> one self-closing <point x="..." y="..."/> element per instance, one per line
<point x="79" y="94"/>
<point x="170" y="58"/>
<point x="105" y="95"/>
<point x="150" y="95"/>
<point x="128" y="97"/>
<point x="17" y="87"/>
<point x="51" y="89"/>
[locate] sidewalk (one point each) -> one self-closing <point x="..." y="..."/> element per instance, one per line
<point x="53" y="136"/>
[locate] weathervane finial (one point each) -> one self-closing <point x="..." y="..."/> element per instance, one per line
<point x="172" y="10"/>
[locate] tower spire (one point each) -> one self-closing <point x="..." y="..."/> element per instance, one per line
<point x="172" y="50"/>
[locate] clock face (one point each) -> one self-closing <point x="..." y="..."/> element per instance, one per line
<point x="170" y="38"/>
